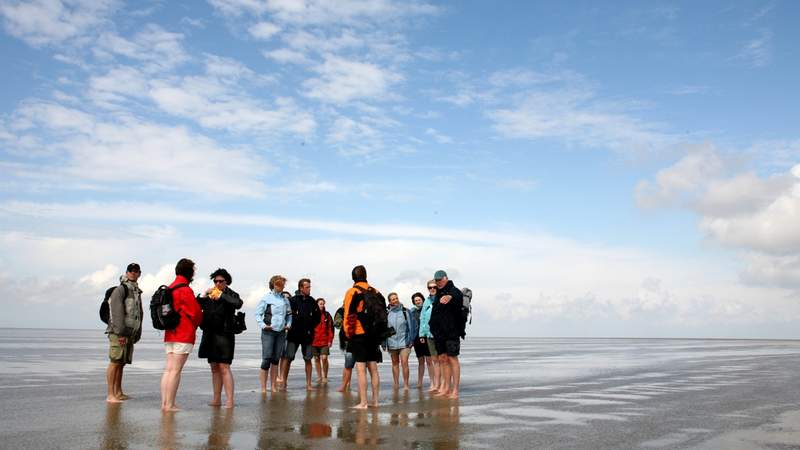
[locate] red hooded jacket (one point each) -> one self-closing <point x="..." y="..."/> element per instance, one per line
<point x="323" y="333"/>
<point x="191" y="315"/>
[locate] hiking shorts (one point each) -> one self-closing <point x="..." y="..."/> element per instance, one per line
<point x="119" y="353"/>
<point x="349" y="361"/>
<point x="364" y="350"/>
<point x="317" y="351"/>
<point x="451" y="347"/>
<point x="179" y="348"/>
<point x="291" y="351"/>
<point x="421" y="350"/>
<point x="431" y="346"/>
<point x="404" y="352"/>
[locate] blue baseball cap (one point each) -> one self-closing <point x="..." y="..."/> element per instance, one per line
<point x="439" y="275"/>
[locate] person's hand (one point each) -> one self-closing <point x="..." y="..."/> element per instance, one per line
<point x="267" y="328"/>
<point x="445" y="299"/>
<point x="208" y="291"/>
<point x="122" y="340"/>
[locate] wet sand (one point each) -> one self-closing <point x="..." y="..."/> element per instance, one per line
<point x="516" y="393"/>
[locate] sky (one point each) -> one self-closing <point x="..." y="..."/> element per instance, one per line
<point x="625" y="169"/>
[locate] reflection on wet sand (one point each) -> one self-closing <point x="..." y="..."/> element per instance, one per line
<point x="166" y="438"/>
<point x="115" y="433"/>
<point x="315" y="420"/>
<point x="219" y="430"/>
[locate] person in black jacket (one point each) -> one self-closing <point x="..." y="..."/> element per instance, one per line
<point x="447" y="327"/>
<point x="219" y="305"/>
<point x="305" y="317"/>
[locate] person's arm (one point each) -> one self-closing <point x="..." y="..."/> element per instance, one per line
<point x="260" y="308"/>
<point x="188" y="306"/>
<point x="232" y="297"/>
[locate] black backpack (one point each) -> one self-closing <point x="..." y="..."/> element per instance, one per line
<point x="105" y="310"/>
<point x="162" y="310"/>
<point x="373" y="317"/>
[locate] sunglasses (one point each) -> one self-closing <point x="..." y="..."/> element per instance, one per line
<point x="219" y="281"/>
<point x="431" y="287"/>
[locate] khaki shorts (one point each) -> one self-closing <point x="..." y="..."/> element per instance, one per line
<point x="404" y="352"/>
<point x="317" y="351"/>
<point x="179" y="348"/>
<point x="432" y="346"/>
<point x="119" y="353"/>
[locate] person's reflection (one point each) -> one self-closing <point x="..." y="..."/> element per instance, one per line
<point x="446" y="422"/>
<point x="274" y="416"/>
<point x="315" y="421"/>
<point x="400" y="418"/>
<point x="167" y="436"/>
<point x="219" y="433"/>
<point x="367" y="428"/>
<point x="115" y="434"/>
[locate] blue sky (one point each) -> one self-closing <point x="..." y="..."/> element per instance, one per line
<point x="628" y="169"/>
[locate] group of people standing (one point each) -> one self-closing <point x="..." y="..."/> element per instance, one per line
<point x="433" y="328"/>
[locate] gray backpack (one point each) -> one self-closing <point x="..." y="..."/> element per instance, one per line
<point x="466" y="308"/>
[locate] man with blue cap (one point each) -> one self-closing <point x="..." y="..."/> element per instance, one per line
<point x="447" y="327"/>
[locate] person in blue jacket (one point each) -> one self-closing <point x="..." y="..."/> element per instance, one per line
<point x="274" y="319"/>
<point x="399" y="345"/>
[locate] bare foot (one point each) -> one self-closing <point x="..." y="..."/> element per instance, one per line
<point x="173" y="408"/>
<point x="264" y="391"/>
<point x="324" y="381"/>
<point x="214" y="403"/>
<point x="228" y="405"/>
<point x="124" y="397"/>
<point x="373" y="405"/>
<point x="310" y="388"/>
<point x="274" y="389"/>
<point x="395" y="386"/>
<point x="360" y="406"/>
<point x="433" y="390"/>
<point x="440" y="394"/>
<point x="405" y="388"/>
<point x="112" y="399"/>
<point x="453" y="396"/>
<point x="340" y="389"/>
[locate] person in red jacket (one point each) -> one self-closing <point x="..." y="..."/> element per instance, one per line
<point x="321" y="345"/>
<point x="178" y="343"/>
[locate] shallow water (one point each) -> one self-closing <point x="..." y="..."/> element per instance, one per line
<point x="516" y="393"/>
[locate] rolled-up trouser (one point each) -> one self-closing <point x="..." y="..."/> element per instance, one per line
<point x="272" y="344"/>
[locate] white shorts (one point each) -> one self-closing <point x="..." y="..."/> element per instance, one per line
<point x="179" y="348"/>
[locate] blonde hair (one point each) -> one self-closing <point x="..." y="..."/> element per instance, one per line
<point x="274" y="279"/>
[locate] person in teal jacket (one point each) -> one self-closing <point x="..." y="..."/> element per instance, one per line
<point x="426" y="336"/>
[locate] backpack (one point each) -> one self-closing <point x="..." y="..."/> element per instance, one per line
<point x="105" y="309"/>
<point x="268" y="315"/>
<point x="162" y="310"/>
<point x="466" y="308"/>
<point x="373" y="316"/>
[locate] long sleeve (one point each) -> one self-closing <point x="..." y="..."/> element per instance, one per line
<point x="262" y="306"/>
<point x="116" y="308"/>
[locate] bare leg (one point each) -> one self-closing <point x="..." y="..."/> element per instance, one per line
<point x="226" y="377"/>
<point x="420" y="371"/>
<point x="324" y="369"/>
<point x="361" y="373"/>
<point x="273" y="377"/>
<point x="376" y="383"/>
<point x="216" y="385"/>
<point x="404" y="365"/>
<point x="171" y="380"/>
<point x="318" y="367"/>
<point x="395" y="369"/>
<point x="346" y="375"/>
<point x="118" y="384"/>
<point x="431" y="377"/>
<point x="111" y="380"/>
<point x="455" y="370"/>
<point x="444" y="368"/>
<point x="309" y="386"/>
<point x="262" y="378"/>
<point x="283" y="374"/>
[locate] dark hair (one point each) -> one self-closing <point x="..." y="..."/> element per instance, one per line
<point x="221" y="273"/>
<point x="185" y="268"/>
<point x="359" y="273"/>
<point x="302" y="281"/>
<point x="417" y="294"/>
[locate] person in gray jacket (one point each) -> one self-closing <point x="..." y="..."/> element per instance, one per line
<point x="124" y="329"/>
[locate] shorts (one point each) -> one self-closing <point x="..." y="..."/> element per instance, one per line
<point x="317" y="351"/>
<point x="404" y="352"/>
<point x="451" y="347"/>
<point x="364" y="350"/>
<point x="421" y="350"/>
<point x="119" y="353"/>
<point x="272" y="347"/>
<point x="291" y="350"/>
<point x="179" y="348"/>
<point x="349" y="361"/>
<point x="431" y="346"/>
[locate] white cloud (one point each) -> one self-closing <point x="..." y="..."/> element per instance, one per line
<point x="264" y="30"/>
<point x="341" y="80"/>
<point x="155" y="156"/>
<point x="285" y="55"/>
<point x="757" y="52"/>
<point x="52" y="22"/>
<point x="439" y="137"/>
<point x="573" y="114"/>
<point x="102" y="277"/>
<point x="157" y="48"/>
<point x="754" y="214"/>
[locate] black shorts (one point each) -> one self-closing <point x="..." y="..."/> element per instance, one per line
<point x="451" y="347"/>
<point x="420" y="349"/>
<point x="364" y="350"/>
